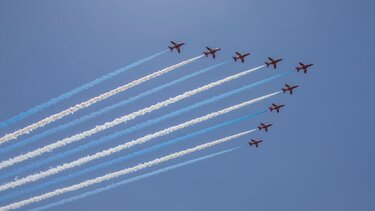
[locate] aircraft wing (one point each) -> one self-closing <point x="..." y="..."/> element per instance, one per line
<point x="208" y="48"/>
<point x="173" y="42"/>
<point x="238" y="54"/>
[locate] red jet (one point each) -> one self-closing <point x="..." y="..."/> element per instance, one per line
<point x="211" y="51"/>
<point x="272" y="62"/>
<point x="176" y="46"/>
<point x="255" y="142"/>
<point x="303" y="67"/>
<point x="240" y="56"/>
<point x="289" y="88"/>
<point x="264" y="126"/>
<point x="276" y="107"/>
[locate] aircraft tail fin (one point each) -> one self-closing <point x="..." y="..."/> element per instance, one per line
<point x="170" y="48"/>
<point x="235" y="58"/>
<point x="205" y="53"/>
<point x="267" y="64"/>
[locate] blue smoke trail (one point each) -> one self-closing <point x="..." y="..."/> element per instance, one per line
<point x="127" y="131"/>
<point x="130" y="180"/>
<point x="105" y="110"/>
<point x="75" y="91"/>
<point x="107" y="164"/>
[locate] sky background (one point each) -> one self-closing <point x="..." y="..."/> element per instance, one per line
<point x="318" y="156"/>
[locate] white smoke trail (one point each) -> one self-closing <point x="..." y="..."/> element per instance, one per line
<point x="120" y="120"/>
<point x="131" y="180"/>
<point x="107" y="152"/>
<point x="121" y="172"/>
<point x="73" y="109"/>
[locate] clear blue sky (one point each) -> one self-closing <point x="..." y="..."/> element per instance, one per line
<point x="320" y="154"/>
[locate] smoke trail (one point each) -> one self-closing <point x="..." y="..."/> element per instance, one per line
<point x="105" y="110"/>
<point x="110" y="151"/>
<point x="73" y="92"/>
<point x="109" y="163"/>
<point x="77" y="107"/>
<point x="130" y="180"/>
<point x="116" y="174"/>
<point x="120" y="120"/>
<point x="138" y="127"/>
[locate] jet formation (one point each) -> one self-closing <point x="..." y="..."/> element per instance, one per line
<point x="271" y="62"/>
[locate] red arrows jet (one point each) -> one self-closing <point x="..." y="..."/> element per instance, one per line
<point x="255" y="142"/>
<point x="303" y="67"/>
<point x="264" y="126"/>
<point x="240" y="56"/>
<point x="289" y="88"/>
<point x="276" y="107"/>
<point x="272" y="62"/>
<point x="211" y="51"/>
<point x="176" y="46"/>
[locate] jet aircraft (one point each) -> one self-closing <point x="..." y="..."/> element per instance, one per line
<point x="240" y="56"/>
<point x="276" y="107"/>
<point x="303" y="67"/>
<point x="289" y="88"/>
<point x="272" y="62"/>
<point x="264" y="126"/>
<point x="176" y="46"/>
<point x="255" y="142"/>
<point x="211" y="51"/>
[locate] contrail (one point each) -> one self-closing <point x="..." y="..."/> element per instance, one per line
<point x="120" y="120"/>
<point x="75" y="91"/>
<point x="116" y="174"/>
<point x="105" y="110"/>
<point x="131" y="180"/>
<point x="77" y="107"/>
<point x="110" y="151"/>
<point x="109" y="163"/>
<point x="135" y="128"/>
